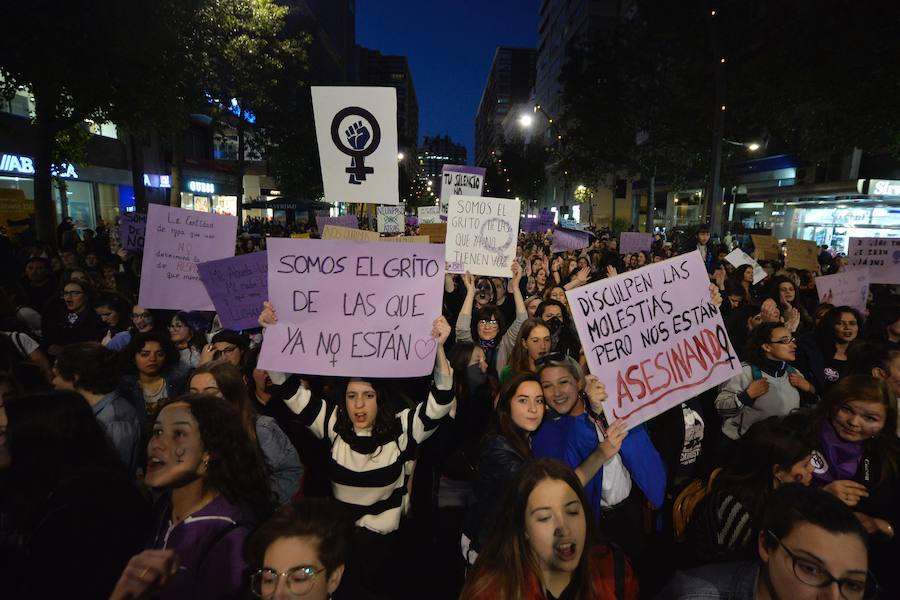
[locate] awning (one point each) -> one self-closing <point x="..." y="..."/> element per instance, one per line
<point x="295" y="204"/>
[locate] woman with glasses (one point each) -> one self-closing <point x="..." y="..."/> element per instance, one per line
<point x="487" y="330"/>
<point x="186" y="330"/>
<point x="766" y="386"/>
<point x="72" y="322"/>
<point x="144" y="320"/>
<point x="809" y="547"/>
<point x="152" y="372"/>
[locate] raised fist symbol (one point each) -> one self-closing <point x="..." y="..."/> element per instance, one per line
<point x="358" y="135"/>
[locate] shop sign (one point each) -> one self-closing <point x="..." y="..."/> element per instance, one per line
<point x="201" y="187"/>
<point x="157" y="181"/>
<point x="24" y="165"/>
<point x="879" y="187"/>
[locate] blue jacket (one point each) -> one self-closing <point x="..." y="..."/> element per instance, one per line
<point x="122" y="425"/>
<point x="572" y="439"/>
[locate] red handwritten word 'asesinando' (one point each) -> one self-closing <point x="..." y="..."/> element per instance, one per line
<point x="688" y="364"/>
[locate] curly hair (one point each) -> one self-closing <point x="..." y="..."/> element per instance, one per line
<point x="236" y="468"/>
<point x="138" y="340"/>
<point x="825" y="329"/>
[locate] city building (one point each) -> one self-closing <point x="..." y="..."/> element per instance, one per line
<point x="433" y="153"/>
<point x="510" y="82"/>
<point x="377" y="69"/>
<point x="332" y="25"/>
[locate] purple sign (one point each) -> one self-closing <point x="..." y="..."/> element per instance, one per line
<point x="460" y="180"/>
<point x="353" y="308"/>
<point x="349" y="221"/>
<point x="569" y="239"/>
<point x="631" y="241"/>
<point x="131" y="231"/>
<point x="177" y="240"/>
<point x="539" y="224"/>
<point x="238" y="287"/>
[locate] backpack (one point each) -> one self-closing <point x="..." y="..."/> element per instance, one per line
<point x="686" y="502"/>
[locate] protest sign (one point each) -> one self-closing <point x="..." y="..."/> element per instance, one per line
<point x="738" y="257"/>
<point x="429" y="214"/>
<point x="390" y="219"/>
<point x="881" y="256"/>
<point x="349" y="221"/>
<point x="631" y="241"/>
<point x="131" y="231"/>
<point x="238" y="287"/>
<point x="436" y="232"/>
<point x="300" y="236"/>
<point x="482" y="235"/>
<point x="460" y="180"/>
<point x="176" y="241"/>
<point x="353" y="308"/>
<point x="539" y="224"/>
<point x="406" y="239"/>
<point x="356" y="129"/>
<point x="333" y="232"/>
<point x="767" y="247"/>
<point x="568" y="239"/>
<point x="570" y="224"/>
<point x="848" y="288"/>
<point x="801" y="254"/>
<point x="653" y="337"/>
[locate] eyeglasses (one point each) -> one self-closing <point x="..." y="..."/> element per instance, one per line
<point x="812" y="574"/>
<point x="553" y="357"/>
<point x="71" y="294"/>
<point x="299" y="580"/>
<point x="784" y="341"/>
<point x="488" y="323"/>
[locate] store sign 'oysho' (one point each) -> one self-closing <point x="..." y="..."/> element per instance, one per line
<point x="24" y="165"/>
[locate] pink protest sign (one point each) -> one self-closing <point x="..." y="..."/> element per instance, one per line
<point x="353" y="308"/>
<point x="176" y="241"/>
<point x="238" y="287"/>
<point x="632" y="241"/>
<point x="349" y="221"/>
<point x="653" y="337"/>
<point x="569" y="239"/>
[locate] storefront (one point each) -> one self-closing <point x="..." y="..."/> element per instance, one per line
<point x="209" y="192"/>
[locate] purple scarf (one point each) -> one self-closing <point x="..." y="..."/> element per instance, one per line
<point x="842" y="457"/>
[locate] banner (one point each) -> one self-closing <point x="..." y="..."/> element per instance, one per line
<point x="631" y="242"/>
<point x="429" y="214"/>
<point x="460" y="180"/>
<point x="849" y="288"/>
<point x="349" y="221"/>
<point x="881" y="256"/>
<point x="131" y="231"/>
<point x="567" y="239"/>
<point x="482" y="235"/>
<point x="653" y="337"/>
<point x="356" y="129"/>
<point x="390" y="219"/>
<point x="353" y="309"/>
<point x="767" y="247"/>
<point x="176" y="241"/>
<point x="332" y="232"/>
<point x="801" y="254"/>
<point x="238" y="287"/>
<point x="738" y="257"/>
<point x="539" y="224"/>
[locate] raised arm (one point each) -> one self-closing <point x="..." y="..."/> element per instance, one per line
<point x="464" y="319"/>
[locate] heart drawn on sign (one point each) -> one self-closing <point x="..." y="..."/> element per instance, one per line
<point x="425" y="347"/>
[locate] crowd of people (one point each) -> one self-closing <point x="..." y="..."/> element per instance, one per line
<point x="144" y="454"/>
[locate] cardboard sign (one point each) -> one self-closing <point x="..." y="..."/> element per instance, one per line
<point x="653" y="337"/>
<point x="349" y="221"/>
<point x="460" y="180"/>
<point x="849" y="288"/>
<point x="300" y="236"/>
<point x="632" y="241"/>
<point x="390" y="219"/>
<point x="801" y="254"/>
<point x="436" y="232"/>
<point x="356" y="129"/>
<point x="881" y="256"/>
<point x="176" y="241"/>
<point x="406" y="239"/>
<point x="333" y="232"/>
<point x="131" y="231"/>
<point x="738" y="257"/>
<point x="238" y="287"/>
<point x="429" y="214"/>
<point x="567" y="239"/>
<point x="482" y="235"/>
<point x="767" y="247"/>
<point x="353" y="308"/>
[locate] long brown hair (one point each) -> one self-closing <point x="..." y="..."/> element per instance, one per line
<point x="518" y="360"/>
<point x="230" y="382"/>
<point x="506" y="564"/>
<point x="503" y="414"/>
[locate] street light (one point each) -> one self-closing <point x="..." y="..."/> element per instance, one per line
<point x="400" y="156"/>
<point x="526" y="120"/>
<point x="751" y="146"/>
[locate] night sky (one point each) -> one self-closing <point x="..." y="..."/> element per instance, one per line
<point x="450" y="45"/>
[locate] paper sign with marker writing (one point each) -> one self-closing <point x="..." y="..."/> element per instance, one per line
<point x="333" y="232"/>
<point x="881" y="256"/>
<point x="801" y="254"/>
<point x="848" y="288"/>
<point x="349" y="221"/>
<point x="567" y="239"/>
<point x="738" y="257"/>
<point x="353" y="308"/>
<point x="653" y="337"/>
<point x="176" y="241"/>
<point x="481" y="235"/>
<point x="429" y="214"/>
<point x="131" y="231"/>
<point x="460" y="180"/>
<point x="238" y="287"/>
<point x="356" y="130"/>
<point x="390" y="219"/>
<point x="631" y="241"/>
<point x="767" y="247"/>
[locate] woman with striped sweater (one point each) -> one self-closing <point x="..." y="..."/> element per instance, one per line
<point x="372" y="453"/>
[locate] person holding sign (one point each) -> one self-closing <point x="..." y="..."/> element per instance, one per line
<point x="371" y="452"/>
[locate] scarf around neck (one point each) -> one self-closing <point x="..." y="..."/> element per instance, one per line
<point x="842" y="458"/>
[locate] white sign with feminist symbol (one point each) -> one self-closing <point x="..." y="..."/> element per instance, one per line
<point x="356" y="128"/>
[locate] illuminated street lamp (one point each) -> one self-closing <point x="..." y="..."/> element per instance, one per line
<point x="400" y="156"/>
<point x="526" y="120"/>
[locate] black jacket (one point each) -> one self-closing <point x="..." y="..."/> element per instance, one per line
<point x="497" y="464"/>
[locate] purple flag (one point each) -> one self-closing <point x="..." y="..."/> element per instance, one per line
<point x="238" y="287"/>
<point x="631" y="241"/>
<point x="569" y="239"/>
<point x="131" y="231"/>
